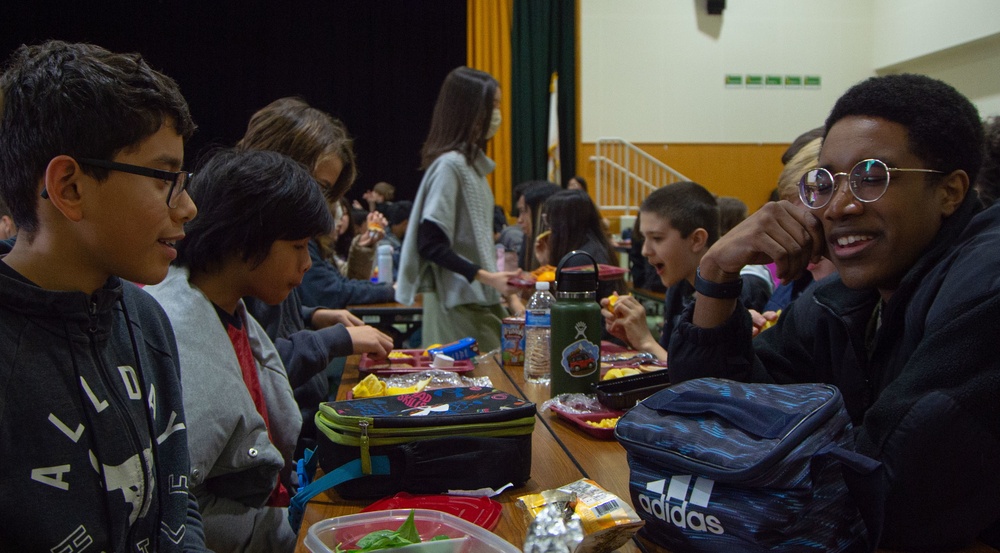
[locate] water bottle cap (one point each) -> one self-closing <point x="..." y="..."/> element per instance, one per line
<point x="576" y="280"/>
<point x="542" y="285"/>
<point x="385" y="249"/>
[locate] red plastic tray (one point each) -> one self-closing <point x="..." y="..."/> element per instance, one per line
<point x="611" y="347"/>
<point x="481" y="511"/>
<point x="415" y="361"/>
<point x="580" y="420"/>
<point x="604" y="272"/>
<point x="526" y="281"/>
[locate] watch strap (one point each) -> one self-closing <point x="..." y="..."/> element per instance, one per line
<point x="722" y="291"/>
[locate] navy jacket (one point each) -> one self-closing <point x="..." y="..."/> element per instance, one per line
<point x="324" y="286"/>
<point x="923" y="393"/>
<point x="92" y="429"/>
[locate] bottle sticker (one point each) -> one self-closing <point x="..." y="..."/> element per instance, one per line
<point x="581" y="358"/>
<point x="537" y="317"/>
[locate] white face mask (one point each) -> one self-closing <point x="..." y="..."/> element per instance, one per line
<point x="494" y="124"/>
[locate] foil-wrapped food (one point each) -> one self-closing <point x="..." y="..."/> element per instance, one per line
<point x="607" y="521"/>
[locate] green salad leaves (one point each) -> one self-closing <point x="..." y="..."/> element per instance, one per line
<point x="390" y="539"/>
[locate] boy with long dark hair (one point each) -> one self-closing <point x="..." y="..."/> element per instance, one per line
<point x="244" y="421"/>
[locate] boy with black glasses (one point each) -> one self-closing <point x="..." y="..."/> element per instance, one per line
<point x="907" y="331"/>
<point x="92" y="427"/>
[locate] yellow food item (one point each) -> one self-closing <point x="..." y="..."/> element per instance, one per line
<point x="370" y="386"/>
<point x="547" y="276"/>
<point x="769" y="324"/>
<point x="545" y="273"/>
<point x="618" y="373"/>
<point x="544" y="269"/>
<point x="398" y="355"/>
<point x="418" y="387"/>
<point x="605" y="423"/>
<point x="429" y="348"/>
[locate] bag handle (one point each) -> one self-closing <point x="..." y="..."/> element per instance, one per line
<point x="306" y="469"/>
<point x="751" y="417"/>
<point x="864" y="478"/>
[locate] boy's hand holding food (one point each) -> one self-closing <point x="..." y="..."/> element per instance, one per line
<point x="763" y="321"/>
<point x="376" y="229"/>
<point x="627" y="322"/>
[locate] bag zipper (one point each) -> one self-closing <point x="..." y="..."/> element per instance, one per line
<point x="366" y="458"/>
<point x="365" y="433"/>
<point x="811" y="420"/>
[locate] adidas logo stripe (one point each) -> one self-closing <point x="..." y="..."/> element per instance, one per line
<point x="673" y="505"/>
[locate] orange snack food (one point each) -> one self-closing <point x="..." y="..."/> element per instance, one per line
<point x="613" y="300"/>
<point x="545" y="273"/>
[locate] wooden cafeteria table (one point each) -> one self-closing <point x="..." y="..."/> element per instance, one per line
<point x="561" y="453"/>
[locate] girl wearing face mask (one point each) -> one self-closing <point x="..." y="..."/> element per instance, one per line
<point x="448" y="251"/>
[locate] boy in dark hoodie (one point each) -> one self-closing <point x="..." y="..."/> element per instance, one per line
<point x="92" y="428"/>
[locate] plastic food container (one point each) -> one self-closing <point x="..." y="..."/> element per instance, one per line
<point x="625" y="392"/>
<point x="324" y="536"/>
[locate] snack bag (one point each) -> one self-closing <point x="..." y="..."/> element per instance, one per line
<point x="608" y="521"/>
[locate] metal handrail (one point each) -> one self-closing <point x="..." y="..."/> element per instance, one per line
<point x="625" y="175"/>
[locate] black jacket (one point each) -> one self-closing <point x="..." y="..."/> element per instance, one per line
<point x="923" y="394"/>
<point x="92" y="428"/>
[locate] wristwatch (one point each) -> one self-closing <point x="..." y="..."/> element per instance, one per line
<point x="721" y="291"/>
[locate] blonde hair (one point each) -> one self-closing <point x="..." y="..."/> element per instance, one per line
<point x="807" y="158"/>
<point x="387" y="190"/>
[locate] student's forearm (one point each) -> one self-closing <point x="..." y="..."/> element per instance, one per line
<point x="711" y="312"/>
<point x="649" y="344"/>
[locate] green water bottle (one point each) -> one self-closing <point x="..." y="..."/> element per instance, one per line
<point x="576" y="327"/>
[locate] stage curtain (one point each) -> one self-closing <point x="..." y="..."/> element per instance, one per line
<point x="543" y="43"/>
<point x="489" y="49"/>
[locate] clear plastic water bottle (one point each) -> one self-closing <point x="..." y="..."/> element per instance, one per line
<point x="384" y="258"/>
<point x="537" y="335"/>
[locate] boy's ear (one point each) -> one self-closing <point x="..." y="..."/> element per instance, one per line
<point x="951" y="191"/>
<point x="698" y="240"/>
<point x="61" y="186"/>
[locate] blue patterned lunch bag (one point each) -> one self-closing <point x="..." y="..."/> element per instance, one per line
<point x="722" y="466"/>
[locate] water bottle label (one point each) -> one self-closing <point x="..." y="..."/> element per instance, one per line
<point x="581" y="358"/>
<point x="538" y="317"/>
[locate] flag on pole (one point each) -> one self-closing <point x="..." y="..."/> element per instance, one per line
<point x="553" y="145"/>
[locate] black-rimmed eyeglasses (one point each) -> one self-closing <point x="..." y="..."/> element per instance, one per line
<point x="868" y="180"/>
<point x="178" y="180"/>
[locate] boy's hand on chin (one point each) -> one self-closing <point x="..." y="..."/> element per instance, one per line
<point x="780" y="232"/>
